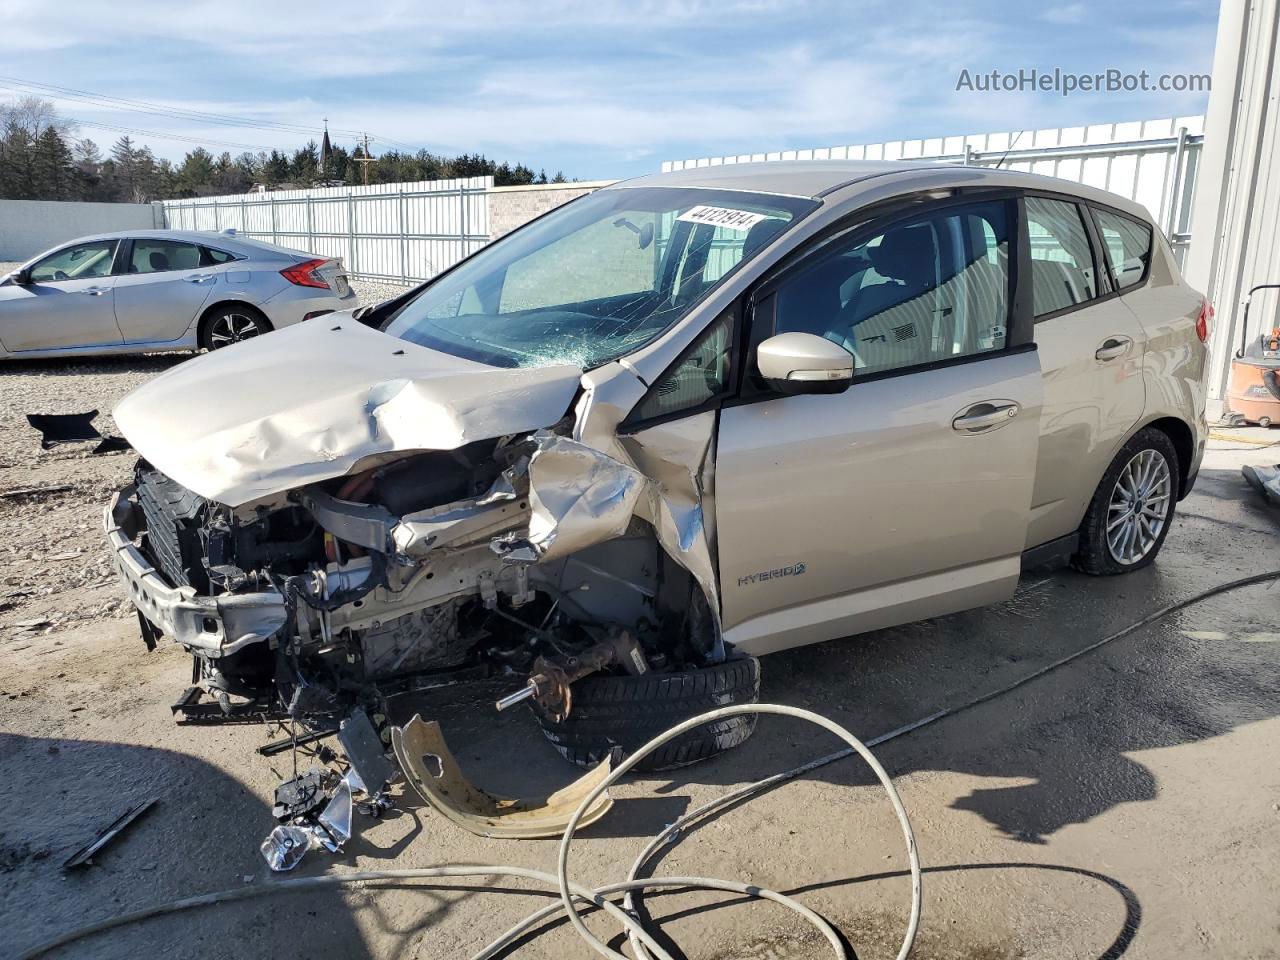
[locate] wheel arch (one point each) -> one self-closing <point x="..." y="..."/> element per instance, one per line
<point x="202" y="326"/>
<point x="1184" y="444"/>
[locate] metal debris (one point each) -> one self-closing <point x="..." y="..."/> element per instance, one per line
<point x="365" y="752"/>
<point x="316" y="809"/>
<point x="22" y="493"/>
<point x="84" y="856"/>
<point x="285" y="847"/>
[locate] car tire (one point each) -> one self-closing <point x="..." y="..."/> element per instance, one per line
<point x="1136" y="499"/>
<point x="625" y="713"/>
<point x="232" y="323"/>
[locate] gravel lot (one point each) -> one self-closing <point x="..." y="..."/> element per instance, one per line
<point x="53" y="569"/>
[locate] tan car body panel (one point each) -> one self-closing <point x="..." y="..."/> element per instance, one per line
<point x="1090" y="409"/>
<point x="893" y="514"/>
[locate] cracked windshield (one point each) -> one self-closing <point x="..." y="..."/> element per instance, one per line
<point x="595" y="279"/>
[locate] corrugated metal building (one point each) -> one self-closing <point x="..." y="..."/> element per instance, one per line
<point x="1236" y="215"/>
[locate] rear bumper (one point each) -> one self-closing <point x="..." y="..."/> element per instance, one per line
<point x="291" y="305"/>
<point x="213" y="626"/>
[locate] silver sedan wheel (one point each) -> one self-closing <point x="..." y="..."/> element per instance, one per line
<point x="1139" y="507"/>
<point x="232" y="328"/>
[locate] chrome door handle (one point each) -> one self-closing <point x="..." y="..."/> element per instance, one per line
<point x="1113" y="347"/>
<point x="95" y="291"/>
<point x="200" y="278"/>
<point x="985" y="416"/>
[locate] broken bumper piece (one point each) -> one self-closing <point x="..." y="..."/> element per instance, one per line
<point x="217" y="626"/>
<point x="479" y="811"/>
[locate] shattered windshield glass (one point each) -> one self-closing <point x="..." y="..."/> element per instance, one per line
<point x="594" y="279"/>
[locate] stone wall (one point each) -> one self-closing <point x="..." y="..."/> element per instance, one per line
<point x="511" y="207"/>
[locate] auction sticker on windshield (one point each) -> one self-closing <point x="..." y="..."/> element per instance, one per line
<point x="725" y="217"/>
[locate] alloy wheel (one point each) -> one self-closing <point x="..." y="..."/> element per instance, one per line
<point x="1139" y="507"/>
<point x="232" y="328"/>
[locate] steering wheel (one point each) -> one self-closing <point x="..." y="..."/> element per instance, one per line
<point x="60" y="275"/>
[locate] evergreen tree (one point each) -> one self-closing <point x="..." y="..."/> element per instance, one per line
<point x="53" y="173"/>
<point x="17" y="180"/>
<point x="276" y="169"/>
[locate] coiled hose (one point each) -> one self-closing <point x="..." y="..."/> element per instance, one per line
<point x="642" y="941"/>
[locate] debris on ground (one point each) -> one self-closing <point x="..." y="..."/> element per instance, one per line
<point x="59" y="428"/>
<point x="1264" y="479"/>
<point x="315" y="810"/>
<point x="84" y="856"/>
<point x="24" y="492"/>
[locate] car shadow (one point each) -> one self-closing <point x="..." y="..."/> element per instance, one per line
<point x="60" y="793"/>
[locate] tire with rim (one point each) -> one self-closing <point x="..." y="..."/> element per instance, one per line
<point x="1130" y="513"/>
<point x="626" y="712"/>
<point x="232" y="323"/>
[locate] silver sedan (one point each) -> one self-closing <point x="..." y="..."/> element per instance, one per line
<point x="162" y="290"/>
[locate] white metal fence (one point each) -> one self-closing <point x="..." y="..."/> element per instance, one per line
<point x="403" y="232"/>
<point x="1151" y="161"/>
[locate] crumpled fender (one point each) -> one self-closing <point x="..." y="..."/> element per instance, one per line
<point x="479" y="811"/>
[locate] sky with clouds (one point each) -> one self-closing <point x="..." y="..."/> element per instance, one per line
<point x="602" y="89"/>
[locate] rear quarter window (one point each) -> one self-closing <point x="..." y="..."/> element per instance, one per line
<point x="1128" y="244"/>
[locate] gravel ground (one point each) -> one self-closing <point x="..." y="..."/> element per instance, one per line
<point x="54" y="571"/>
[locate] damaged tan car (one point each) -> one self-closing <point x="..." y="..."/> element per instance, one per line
<point x="670" y="426"/>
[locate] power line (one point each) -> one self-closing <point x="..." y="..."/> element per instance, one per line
<point x="201" y="141"/>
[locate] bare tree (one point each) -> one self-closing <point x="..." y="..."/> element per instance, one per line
<point x="34" y="115"/>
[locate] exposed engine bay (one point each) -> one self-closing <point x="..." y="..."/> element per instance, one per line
<point x="435" y="567"/>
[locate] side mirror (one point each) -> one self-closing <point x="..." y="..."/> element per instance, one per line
<point x="20" y="277"/>
<point x="804" y="363"/>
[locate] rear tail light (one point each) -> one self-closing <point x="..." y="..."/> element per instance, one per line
<point x="306" y="274"/>
<point x="1202" y="322"/>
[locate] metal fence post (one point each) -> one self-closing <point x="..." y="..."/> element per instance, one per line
<point x="311" y="229"/>
<point x="351" y="232"/>
<point x="404" y="239"/>
<point x="1174" y="195"/>
<point x="466" y="242"/>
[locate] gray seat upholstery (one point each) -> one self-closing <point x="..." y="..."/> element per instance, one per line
<point x="158" y="260"/>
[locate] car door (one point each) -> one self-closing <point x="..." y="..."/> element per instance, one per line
<point x="907" y="495"/>
<point x="161" y="289"/>
<point x="67" y="300"/>
<point x="1091" y="350"/>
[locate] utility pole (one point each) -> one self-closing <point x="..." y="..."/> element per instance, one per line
<point x="365" y="160"/>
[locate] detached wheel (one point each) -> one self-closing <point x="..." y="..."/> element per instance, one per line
<point x="1130" y="513"/>
<point x="231" y="324"/>
<point x="628" y="712"/>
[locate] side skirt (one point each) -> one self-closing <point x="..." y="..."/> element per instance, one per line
<point x="1055" y="553"/>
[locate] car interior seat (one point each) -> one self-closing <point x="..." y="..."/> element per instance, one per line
<point x="891" y="323"/>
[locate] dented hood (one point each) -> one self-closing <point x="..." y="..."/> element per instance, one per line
<point x="309" y="402"/>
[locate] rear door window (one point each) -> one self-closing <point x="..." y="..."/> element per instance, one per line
<point x="1128" y="244"/>
<point x="159" y="256"/>
<point x="1062" y="269"/>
